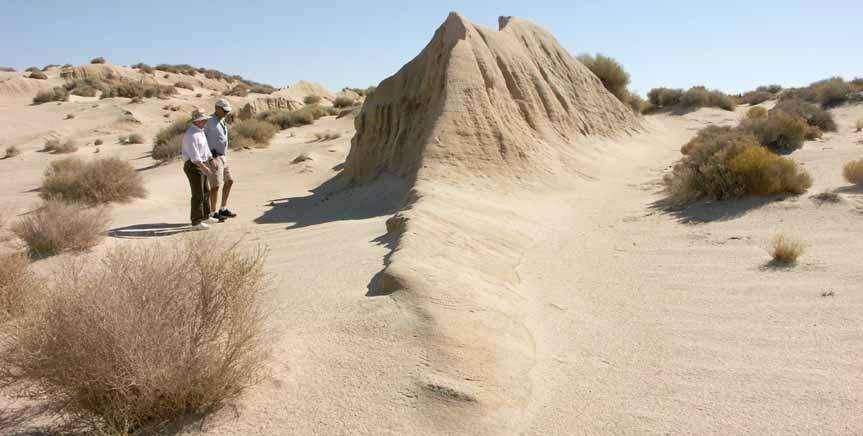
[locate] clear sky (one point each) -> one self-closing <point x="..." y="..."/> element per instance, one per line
<point x="730" y="45"/>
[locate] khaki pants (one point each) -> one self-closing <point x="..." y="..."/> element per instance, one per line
<point x="200" y="205"/>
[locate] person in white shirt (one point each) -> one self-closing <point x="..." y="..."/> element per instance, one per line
<point x="197" y="159"/>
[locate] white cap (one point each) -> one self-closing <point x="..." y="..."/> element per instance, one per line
<point x="224" y="104"/>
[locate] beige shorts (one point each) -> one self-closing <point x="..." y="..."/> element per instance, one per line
<point x="221" y="172"/>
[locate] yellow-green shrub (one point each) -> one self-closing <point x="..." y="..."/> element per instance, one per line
<point x="764" y="173"/>
<point x="853" y="172"/>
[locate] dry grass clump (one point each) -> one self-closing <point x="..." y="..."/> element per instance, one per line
<point x="312" y="99"/>
<point x="97" y="142"/>
<point x="169" y="141"/>
<point x="853" y="172"/>
<point x="17" y="285"/>
<point x="57" y="227"/>
<point x="343" y="101"/>
<point x="300" y="117"/>
<point x="134" y="138"/>
<point x="327" y="136"/>
<point x="58" y="93"/>
<point x="756" y="112"/>
<point x="12" y="151"/>
<point x="84" y="87"/>
<point x="56" y="146"/>
<point x="257" y="132"/>
<point x="98" y="60"/>
<point x="149" y="334"/>
<point x="130" y="89"/>
<point x="723" y="163"/>
<point x="610" y="73"/>
<point x="38" y="75"/>
<point x="184" y="85"/>
<point x="785" y="250"/>
<point x="92" y="182"/>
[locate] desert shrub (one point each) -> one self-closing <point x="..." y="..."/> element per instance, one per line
<point x="785" y="250"/>
<point x="723" y="163"/>
<point x="84" y="87"/>
<point x="12" y="151"/>
<point x="858" y="126"/>
<point x="664" y="97"/>
<point x="764" y="173"/>
<point x="184" y="85"/>
<point x="812" y="132"/>
<point x="755" y="97"/>
<point x="8" y="69"/>
<point x="57" y="227"/>
<point x="637" y="104"/>
<point x="69" y="116"/>
<point x="239" y="90"/>
<point x="129" y="89"/>
<point x="282" y="119"/>
<point x="199" y="95"/>
<point x="32" y="69"/>
<point x="300" y="117"/>
<point x="781" y="131"/>
<point x="756" y="112"/>
<point x="97" y="142"/>
<point x="17" y="285"/>
<point x="610" y="73"/>
<point x="135" y="138"/>
<point x="149" y="334"/>
<point x="38" y="75"/>
<point x="830" y="92"/>
<point x="259" y="88"/>
<point x="812" y="114"/>
<point x="699" y="96"/>
<point x="312" y="99"/>
<point x="773" y="89"/>
<point x="327" y="136"/>
<point x="58" y="93"/>
<point x="92" y="182"/>
<point x="853" y="172"/>
<point x="144" y="68"/>
<point x="169" y="141"/>
<point x="98" y="60"/>
<point x="257" y="131"/>
<point x="343" y="101"/>
<point x="57" y="146"/>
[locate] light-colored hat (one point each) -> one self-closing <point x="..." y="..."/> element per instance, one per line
<point x="224" y="104"/>
<point x="199" y="115"/>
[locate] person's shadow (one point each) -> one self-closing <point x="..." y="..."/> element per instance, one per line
<point x="154" y="230"/>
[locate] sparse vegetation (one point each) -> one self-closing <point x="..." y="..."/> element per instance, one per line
<point x="169" y="141"/>
<point x="312" y="99"/>
<point x="38" y="75"/>
<point x="300" y="117"/>
<point x="853" y="172"/>
<point x="185" y="85"/>
<point x="12" y="151"/>
<point x="781" y="131"/>
<point x="755" y="97"/>
<point x="98" y="60"/>
<point x="610" y="73"/>
<point x="810" y="113"/>
<point x="699" y="96"/>
<point x="130" y="89"/>
<point x="92" y="182"/>
<point x="58" y="93"/>
<point x="57" y="146"/>
<point x="134" y="138"/>
<point x="327" y="136"/>
<point x="826" y="197"/>
<point x="31" y="69"/>
<point x="251" y="132"/>
<point x="69" y="116"/>
<point x="149" y="334"/>
<point x="144" y="68"/>
<point x="57" y="227"/>
<point x="785" y="250"/>
<point x="239" y="90"/>
<point x="84" y="87"/>
<point x="724" y="163"/>
<point x="18" y="285"/>
<point x="343" y="101"/>
<point x="97" y="142"/>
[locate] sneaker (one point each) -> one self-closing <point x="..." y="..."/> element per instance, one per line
<point x="227" y="213"/>
<point x="212" y="219"/>
<point x="201" y="226"/>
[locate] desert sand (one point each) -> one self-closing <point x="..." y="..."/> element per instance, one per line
<point x="530" y="283"/>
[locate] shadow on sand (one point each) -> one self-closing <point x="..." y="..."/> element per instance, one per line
<point x="336" y="200"/>
<point x="710" y="211"/>
<point x="376" y="286"/>
<point x="155" y="230"/>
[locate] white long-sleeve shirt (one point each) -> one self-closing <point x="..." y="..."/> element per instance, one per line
<point x="195" y="146"/>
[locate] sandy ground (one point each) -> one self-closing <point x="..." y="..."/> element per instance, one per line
<point x="609" y="315"/>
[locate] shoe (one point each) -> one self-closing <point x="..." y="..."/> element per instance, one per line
<point x="212" y="220"/>
<point x="201" y="226"/>
<point x="227" y="213"/>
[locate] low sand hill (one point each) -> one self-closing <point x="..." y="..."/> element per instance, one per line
<point x="480" y="101"/>
<point x="302" y="89"/>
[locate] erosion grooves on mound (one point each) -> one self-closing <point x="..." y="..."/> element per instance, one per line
<point x="476" y="113"/>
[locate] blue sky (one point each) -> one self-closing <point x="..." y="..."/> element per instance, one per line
<point x="730" y="45"/>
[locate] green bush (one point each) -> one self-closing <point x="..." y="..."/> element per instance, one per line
<point x="91" y="182"/>
<point x="764" y="173"/>
<point x="812" y="114"/>
<point x="59" y="93"/>
<point x="610" y="73"/>
<point x="664" y="97"/>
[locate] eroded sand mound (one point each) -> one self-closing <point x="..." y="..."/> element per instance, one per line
<point x="18" y="86"/>
<point x="484" y="101"/>
<point x="262" y="104"/>
<point x="300" y="90"/>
